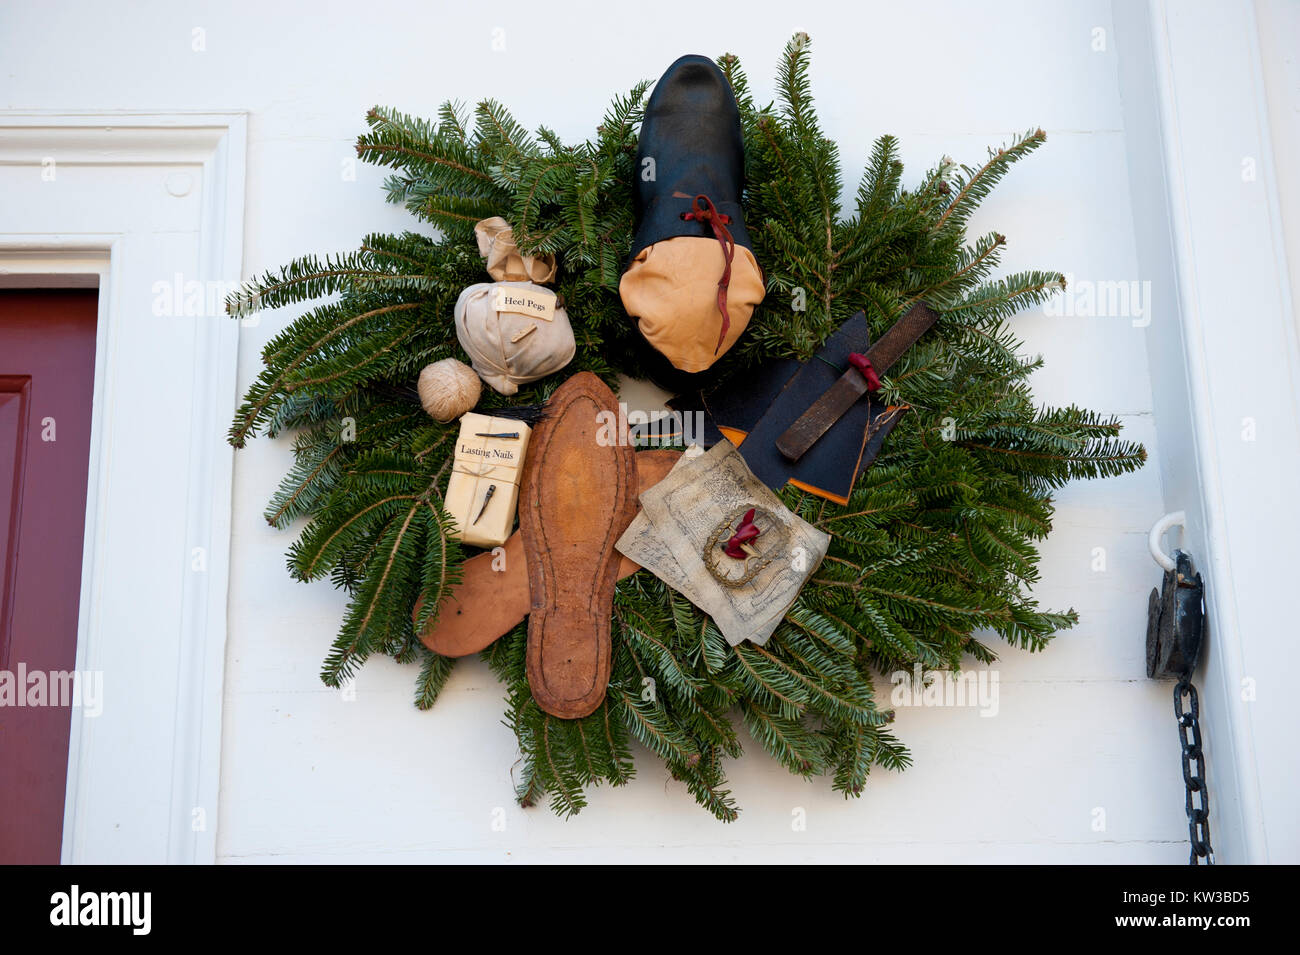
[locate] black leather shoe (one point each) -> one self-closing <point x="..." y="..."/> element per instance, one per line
<point x="692" y="132"/>
<point x="691" y="129"/>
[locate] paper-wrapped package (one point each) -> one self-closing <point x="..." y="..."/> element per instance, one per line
<point x="484" y="487"/>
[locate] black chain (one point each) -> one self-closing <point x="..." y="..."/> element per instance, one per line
<point x="1198" y="808"/>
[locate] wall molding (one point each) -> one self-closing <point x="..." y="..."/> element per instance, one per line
<point x="135" y="199"/>
<point x="1224" y="361"/>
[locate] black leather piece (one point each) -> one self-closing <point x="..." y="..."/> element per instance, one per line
<point x="737" y="404"/>
<point x="692" y="131"/>
<point x="835" y="466"/>
<point x="848" y="390"/>
<point x="766" y="404"/>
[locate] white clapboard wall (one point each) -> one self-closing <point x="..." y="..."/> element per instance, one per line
<point x="1079" y="761"/>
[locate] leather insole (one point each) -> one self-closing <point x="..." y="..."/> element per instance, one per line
<point x="577" y="497"/>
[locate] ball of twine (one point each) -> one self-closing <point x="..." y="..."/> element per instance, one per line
<point x="448" y="389"/>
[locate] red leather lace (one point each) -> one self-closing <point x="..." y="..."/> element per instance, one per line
<point x="703" y="210"/>
<point x="746" y="532"/>
<point x="863" y="364"/>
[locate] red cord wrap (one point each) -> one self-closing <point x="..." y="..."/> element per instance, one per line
<point x="863" y="364"/>
<point x="746" y="531"/>
<point x="703" y="210"/>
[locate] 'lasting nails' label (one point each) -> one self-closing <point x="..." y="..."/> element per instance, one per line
<point x="533" y="302"/>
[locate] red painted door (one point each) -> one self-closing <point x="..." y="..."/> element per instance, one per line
<point x="47" y="367"/>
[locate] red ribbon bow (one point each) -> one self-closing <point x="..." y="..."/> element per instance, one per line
<point x="703" y="210"/>
<point x="746" y="531"/>
<point x="863" y="364"/>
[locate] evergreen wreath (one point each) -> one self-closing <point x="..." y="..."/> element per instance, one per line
<point x="936" y="544"/>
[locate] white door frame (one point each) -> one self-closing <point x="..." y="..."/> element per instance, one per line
<point x="1225" y="362"/>
<point x="149" y="208"/>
